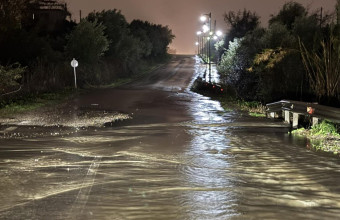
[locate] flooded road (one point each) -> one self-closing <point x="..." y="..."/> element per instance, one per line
<point x="180" y="157"/>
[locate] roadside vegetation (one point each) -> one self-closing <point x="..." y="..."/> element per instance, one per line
<point x="323" y="137"/>
<point x="296" y="57"/>
<point x="30" y="102"/>
<point x="35" y="52"/>
<point x="228" y="100"/>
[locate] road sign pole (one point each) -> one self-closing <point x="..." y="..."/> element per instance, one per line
<point x="74" y="64"/>
<point x="75" y="78"/>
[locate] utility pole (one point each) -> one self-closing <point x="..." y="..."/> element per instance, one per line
<point x="209" y="56"/>
<point x="338" y="12"/>
<point x="321" y="17"/>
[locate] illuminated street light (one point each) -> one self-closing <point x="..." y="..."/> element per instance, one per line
<point x="206" y="18"/>
<point x="219" y="33"/>
<point x="203" y="18"/>
<point x="205" y="28"/>
<point x="205" y="37"/>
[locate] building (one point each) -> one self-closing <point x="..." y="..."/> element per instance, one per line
<point x="49" y="15"/>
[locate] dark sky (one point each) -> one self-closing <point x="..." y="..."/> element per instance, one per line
<point x="182" y="16"/>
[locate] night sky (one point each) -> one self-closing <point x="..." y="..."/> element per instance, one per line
<point x="182" y="16"/>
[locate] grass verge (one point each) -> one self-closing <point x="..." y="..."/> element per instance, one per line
<point x="33" y="101"/>
<point x="323" y="137"/>
<point x="228" y="102"/>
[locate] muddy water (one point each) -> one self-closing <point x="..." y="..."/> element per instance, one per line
<point x="204" y="164"/>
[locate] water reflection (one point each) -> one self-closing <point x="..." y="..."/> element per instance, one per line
<point x="209" y="168"/>
<point x="255" y="172"/>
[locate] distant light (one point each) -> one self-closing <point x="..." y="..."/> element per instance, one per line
<point x="196" y="43"/>
<point x="219" y="33"/>
<point x="215" y="37"/>
<point x="203" y="18"/>
<point x="208" y="38"/>
<point x="199" y="32"/>
<point x="205" y="28"/>
<point x="211" y="33"/>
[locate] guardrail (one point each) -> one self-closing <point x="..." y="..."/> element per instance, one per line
<point x="291" y="111"/>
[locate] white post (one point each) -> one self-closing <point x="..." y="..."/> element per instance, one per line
<point x="74" y="64"/>
<point x="295" y="120"/>
<point x="75" y="78"/>
<point x="287" y="116"/>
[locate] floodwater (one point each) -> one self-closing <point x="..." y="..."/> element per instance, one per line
<point x="181" y="157"/>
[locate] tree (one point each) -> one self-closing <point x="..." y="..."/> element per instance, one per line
<point x="125" y="49"/>
<point x="240" y="24"/>
<point x="159" y="36"/>
<point x="323" y="68"/>
<point x="287" y="15"/>
<point x="308" y="30"/>
<point x="116" y="29"/>
<point x="227" y="65"/>
<point x="279" y="65"/>
<point x="277" y="35"/>
<point x="337" y="12"/>
<point x="237" y="61"/>
<point x="137" y="30"/>
<point x="87" y="42"/>
<point x="11" y="13"/>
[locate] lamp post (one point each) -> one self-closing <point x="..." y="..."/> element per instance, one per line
<point x="199" y="33"/>
<point x="204" y="37"/>
<point x="198" y="46"/>
<point x="206" y="18"/>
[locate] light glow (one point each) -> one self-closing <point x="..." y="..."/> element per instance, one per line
<point x="203" y="18"/>
<point x="205" y="28"/>
<point x="219" y="33"/>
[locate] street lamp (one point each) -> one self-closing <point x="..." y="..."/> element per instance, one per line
<point x="206" y="18"/>
<point x="203" y="18"/>
<point x="219" y="33"/>
<point x="199" y="39"/>
<point x="205" y="28"/>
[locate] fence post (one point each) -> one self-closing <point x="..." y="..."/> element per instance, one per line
<point x="295" y="120"/>
<point x="287" y="116"/>
<point x="315" y="121"/>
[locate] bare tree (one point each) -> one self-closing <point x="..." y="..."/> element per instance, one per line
<point x="323" y="68"/>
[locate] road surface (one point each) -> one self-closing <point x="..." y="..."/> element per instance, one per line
<point x="180" y="156"/>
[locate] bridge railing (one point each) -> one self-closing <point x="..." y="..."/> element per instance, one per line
<point x="291" y="111"/>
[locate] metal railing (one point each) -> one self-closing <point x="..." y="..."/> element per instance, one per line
<point x="312" y="110"/>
